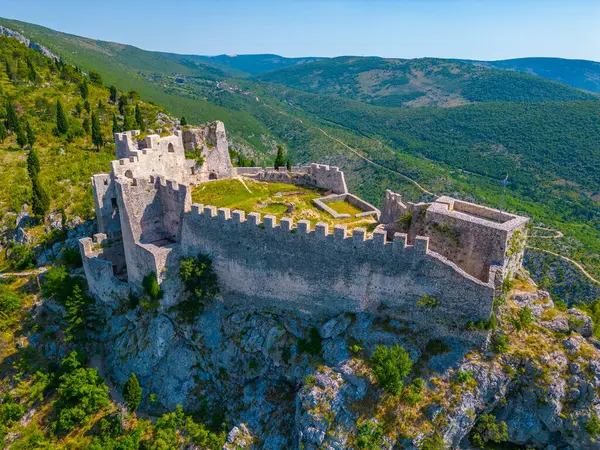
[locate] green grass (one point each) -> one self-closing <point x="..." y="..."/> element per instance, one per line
<point x="269" y="198"/>
<point x="343" y="207"/>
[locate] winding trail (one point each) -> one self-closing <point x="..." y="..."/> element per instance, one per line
<point x="353" y="150"/>
<point x="575" y="263"/>
<point x="558" y="234"/>
<point x="26" y="273"/>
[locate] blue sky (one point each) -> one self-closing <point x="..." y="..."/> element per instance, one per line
<point x="486" y="29"/>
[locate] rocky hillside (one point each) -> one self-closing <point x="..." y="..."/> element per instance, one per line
<point x="260" y="380"/>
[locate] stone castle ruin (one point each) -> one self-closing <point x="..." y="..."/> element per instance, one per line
<point x="434" y="266"/>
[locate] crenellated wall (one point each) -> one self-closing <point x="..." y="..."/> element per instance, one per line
<point x="262" y="264"/>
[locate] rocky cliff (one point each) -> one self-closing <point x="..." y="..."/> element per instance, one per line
<point x="285" y="381"/>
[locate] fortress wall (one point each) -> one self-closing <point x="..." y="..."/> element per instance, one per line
<point x="393" y="207"/>
<point x="98" y="266"/>
<point x="280" y="266"/>
<point x="124" y="143"/>
<point x="175" y="199"/>
<point x="103" y="190"/>
<point x="328" y="177"/>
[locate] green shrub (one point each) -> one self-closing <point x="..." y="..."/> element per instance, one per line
<point x="428" y="301"/>
<point x="20" y="257"/>
<point x="71" y="256"/>
<point x="310" y="380"/>
<point x="152" y="288"/>
<point x="200" y="283"/>
<point x="81" y="393"/>
<point x="132" y="393"/>
<point x="58" y="284"/>
<point x="487" y="430"/>
<point x="9" y="302"/>
<point x="433" y="442"/>
<point x="592" y="426"/>
<point x="390" y="366"/>
<point x="523" y="319"/>
<point x="462" y="376"/>
<point x="313" y="345"/>
<point x="500" y="343"/>
<point x="369" y="436"/>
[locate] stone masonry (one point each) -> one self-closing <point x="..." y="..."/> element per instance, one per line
<point x="434" y="266"/>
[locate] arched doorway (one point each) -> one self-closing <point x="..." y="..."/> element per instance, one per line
<point x="212" y="176"/>
<point x="171" y="148"/>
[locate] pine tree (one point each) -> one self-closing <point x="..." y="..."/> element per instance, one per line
<point x="115" y="128"/>
<point x="97" y="139"/>
<point x="279" y="160"/>
<point x="183" y="121"/>
<point x="100" y="105"/>
<point x="21" y="137"/>
<point x="61" y="120"/>
<point x="12" y="120"/>
<point x="86" y="106"/>
<point x="132" y="393"/>
<point x="114" y="95"/>
<point x="128" y="120"/>
<point x="32" y="73"/>
<point x="3" y="132"/>
<point x="288" y="165"/>
<point x="122" y="104"/>
<point x="30" y="133"/>
<point x="33" y="164"/>
<point x="84" y="89"/>
<point x="139" y="119"/>
<point x="86" y="124"/>
<point x="9" y="71"/>
<point x="39" y="198"/>
<point x="78" y="109"/>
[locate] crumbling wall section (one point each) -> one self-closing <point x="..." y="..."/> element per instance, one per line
<point x="210" y="142"/>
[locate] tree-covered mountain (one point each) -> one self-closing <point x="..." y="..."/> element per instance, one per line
<point x="419" y="82"/>
<point x="579" y="73"/>
<point x="255" y="64"/>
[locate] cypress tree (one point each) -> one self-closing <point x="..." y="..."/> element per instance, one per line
<point x="122" y="104"/>
<point x="279" y="160"/>
<point x="86" y="106"/>
<point x="84" y="89"/>
<point x="100" y="105"/>
<point x="115" y="128"/>
<point x="78" y="109"/>
<point x="3" y="132"/>
<point x="288" y="165"/>
<point x="139" y="120"/>
<point x="183" y="122"/>
<point x="30" y="133"/>
<point x="12" y="120"/>
<point x="97" y="139"/>
<point x="21" y="137"/>
<point x="9" y="71"/>
<point x="39" y="199"/>
<point x="128" y="121"/>
<point x="132" y="393"/>
<point x="86" y="124"/>
<point x="61" y="120"/>
<point x="114" y="95"/>
<point x="32" y="73"/>
<point x="33" y="164"/>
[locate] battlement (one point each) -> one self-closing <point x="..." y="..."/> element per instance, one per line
<point x="358" y="239"/>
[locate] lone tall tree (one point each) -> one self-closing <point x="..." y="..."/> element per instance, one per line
<point x="30" y="133"/>
<point x="12" y="120"/>
<point x="114" y="94"/>
<point x="33" y="164"/>
<point x="115" y="128"/>
<point x="279" y="159"/>
<point x="21" y="137"/>
<point x="61" y="120"/>
<point x="132" y="393"/>
<point x="3" y="132"/>
<point x="84" y="89"/>
<point x="139" y="119"/>
<point x="97" y="139"/>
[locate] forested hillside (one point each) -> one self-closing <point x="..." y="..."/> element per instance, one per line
<point x="419" y="82"/>
<point x="578" y="73"/>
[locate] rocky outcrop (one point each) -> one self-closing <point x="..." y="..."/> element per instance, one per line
<point x="275" y="394"/>
<point x="28" y="42"/>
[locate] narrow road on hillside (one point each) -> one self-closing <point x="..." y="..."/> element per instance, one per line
<point x="575" y="263"/>
<point x="353" y="150"/>
<point x="26" y="273"/>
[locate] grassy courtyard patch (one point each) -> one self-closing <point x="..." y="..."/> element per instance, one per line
<point x="343" y="207"/>
<point x="277" y="199"/>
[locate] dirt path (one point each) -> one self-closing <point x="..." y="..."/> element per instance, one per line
<point x="558" y="234"/>
<point x="353" y="150"/>
<point x="575" y="263"/>
<point x="26" y="273"/>
<point x="241" y="180"/>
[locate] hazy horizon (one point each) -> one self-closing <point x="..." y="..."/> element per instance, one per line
<point x="453" y="29"/>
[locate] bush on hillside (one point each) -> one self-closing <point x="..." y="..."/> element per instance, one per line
<point x="390" y="366"/>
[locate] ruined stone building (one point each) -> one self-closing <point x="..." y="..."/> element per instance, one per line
<point x="432" y="265"/>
